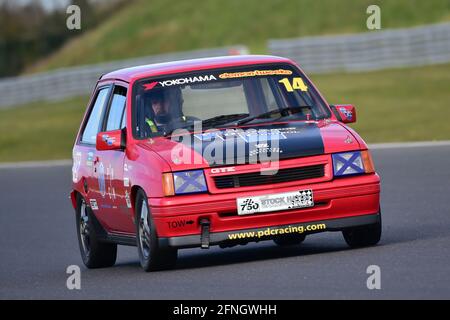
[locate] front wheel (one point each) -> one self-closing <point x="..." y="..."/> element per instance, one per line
<point x="151" y="256"/>
<point x="363" y="236"/>
<point x="95" y="254"/>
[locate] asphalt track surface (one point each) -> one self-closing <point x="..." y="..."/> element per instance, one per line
<point x="38" y="242"/>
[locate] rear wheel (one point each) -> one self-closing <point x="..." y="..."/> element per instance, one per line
<point x="363" y="236"/>
<point x="95" y="254"/>
<point x="289" y="240"/>
<point x="151" y="256"/>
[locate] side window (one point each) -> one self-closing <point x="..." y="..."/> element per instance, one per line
<point x="93" y="124"/>
<point x="116" y="111"/>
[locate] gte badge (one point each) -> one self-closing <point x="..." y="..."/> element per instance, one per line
<point x="223" y="170"/>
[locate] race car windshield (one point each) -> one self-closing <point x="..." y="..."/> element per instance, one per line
<point x="222" y="98"/>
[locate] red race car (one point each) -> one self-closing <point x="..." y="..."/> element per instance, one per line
<point x="217" y="151"/>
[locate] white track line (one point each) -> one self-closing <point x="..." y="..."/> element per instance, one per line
<point x="374" y="146"/>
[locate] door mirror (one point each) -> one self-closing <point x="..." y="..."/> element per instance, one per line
<point x="111" y="140"/>
<point x="345" y="113"/>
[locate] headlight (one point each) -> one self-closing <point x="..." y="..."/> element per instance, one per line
<point x="347" y="163"/>
<point x="189" y="182"/>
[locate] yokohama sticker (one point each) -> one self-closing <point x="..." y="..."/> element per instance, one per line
<point x="180" y="81"/>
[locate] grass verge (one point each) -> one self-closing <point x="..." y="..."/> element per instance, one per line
<point x="392" y="105"/>
<point x="146" y="27"/>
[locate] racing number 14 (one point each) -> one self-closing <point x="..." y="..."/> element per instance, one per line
<point x="297" y="84"/>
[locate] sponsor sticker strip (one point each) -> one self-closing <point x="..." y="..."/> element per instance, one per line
<point x="243" y="74"/>
<point x="210" y="77"/>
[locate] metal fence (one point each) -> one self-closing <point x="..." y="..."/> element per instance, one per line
<point x="77" y="81"/>
<point x="368" y="51"/>
<point x="350" y="53"/>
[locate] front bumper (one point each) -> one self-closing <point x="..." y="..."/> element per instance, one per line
<point x="180" y="216"/>
<point x="260" y="234"/>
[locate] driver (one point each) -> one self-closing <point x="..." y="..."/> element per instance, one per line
<point x="160" y="110"/>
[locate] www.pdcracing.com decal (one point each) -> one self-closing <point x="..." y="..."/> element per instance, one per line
<point x="275" y="231"/>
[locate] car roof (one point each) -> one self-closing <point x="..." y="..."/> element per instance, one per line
<point x="128" y="74"/>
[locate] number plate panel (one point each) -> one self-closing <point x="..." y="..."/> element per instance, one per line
<point x="275" y="202"/>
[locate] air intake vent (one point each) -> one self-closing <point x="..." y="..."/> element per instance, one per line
<point x="256" y="179"/>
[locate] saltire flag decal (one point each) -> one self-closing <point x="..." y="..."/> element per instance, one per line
<point x="191" y="181"/>
<point x="347" y="163"/>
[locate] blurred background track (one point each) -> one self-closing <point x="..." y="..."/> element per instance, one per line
<point x="402" y="104"/>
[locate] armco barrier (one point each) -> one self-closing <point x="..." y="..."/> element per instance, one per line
<point x="76" y="81"/>
<point x="372" y="50"/>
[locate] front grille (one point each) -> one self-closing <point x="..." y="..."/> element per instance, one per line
<point x="256" y="179"/>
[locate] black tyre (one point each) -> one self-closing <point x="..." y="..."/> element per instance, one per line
<point x="151" y="256"/>
<point x="289" y="240"/>
<point x="364" y="236"/>
<point x="95" y="254"/>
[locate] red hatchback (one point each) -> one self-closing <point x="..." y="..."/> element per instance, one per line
<point x="218" y="151"/>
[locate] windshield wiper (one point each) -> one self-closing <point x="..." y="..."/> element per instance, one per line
<point x="284" y="112"/>
<point x="223" y="119"/>
<point x="212" y="122"/>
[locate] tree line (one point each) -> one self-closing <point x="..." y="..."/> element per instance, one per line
<point x="29" y="32"/>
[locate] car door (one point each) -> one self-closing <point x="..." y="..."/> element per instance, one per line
<point x="109" y="165"/>
<point x="86" y="150"/>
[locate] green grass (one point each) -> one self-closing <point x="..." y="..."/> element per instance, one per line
<point x="40" y="131"/>
<point x="146" y="27"/>
<point x="392" y="105"/>
<point x="395" y="105"/>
